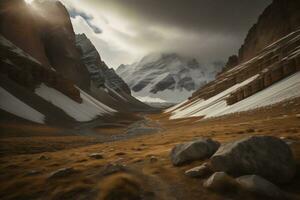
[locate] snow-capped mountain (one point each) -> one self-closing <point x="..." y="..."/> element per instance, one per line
<point x="166" y="77"/>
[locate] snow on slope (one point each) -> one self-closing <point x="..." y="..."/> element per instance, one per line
<point x="217" y="106"/>
<point x="88" y="110"/>
<point x="202" y="107"/>
<point x="13" y="105"/>
<point x="169" y="77"/>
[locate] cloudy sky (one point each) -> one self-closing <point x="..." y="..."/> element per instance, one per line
<point x="125" y="30"/>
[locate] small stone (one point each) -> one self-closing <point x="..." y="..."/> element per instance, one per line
<point x="96" y="156"/>
<point x="199" y="172"/>
<point x="62" y="173"/>
<point x="43" y="157"/>
<point x="33" y="173"/>
<point x="153" y="159"/>
<point x="113" y="168"/>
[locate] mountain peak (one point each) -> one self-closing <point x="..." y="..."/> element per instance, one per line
<point x="166" y="76"/>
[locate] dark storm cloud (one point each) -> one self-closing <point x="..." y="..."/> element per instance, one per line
<point x="224" y="16"/>
<point x="208" y="30"/>
<point x="87" y="17"/>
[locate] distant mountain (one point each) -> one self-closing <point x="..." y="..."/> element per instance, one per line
<point x="166" y="77"/>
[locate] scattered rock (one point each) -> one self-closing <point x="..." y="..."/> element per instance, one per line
<point x="113" y="168"/>
<point x="43" y="157"/>
<point x="199" y="172"/>
<point x="260" y="186"/>
<point x="62" y="173"/>
<point x="220" y="182"/>
<point x="266" y="156"/>
<point x="194" y="150"/>
<point x="33" y="173"/>
<point x="153" y="159"/>
<point x="96" y="156"/>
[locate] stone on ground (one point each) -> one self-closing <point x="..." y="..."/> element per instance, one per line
<point x="266" y="156"/>
<point x="199" y="171"/>
<point x="260" y="186"/>
<point x="63" y="172"/>
<point x="195" y="150"/>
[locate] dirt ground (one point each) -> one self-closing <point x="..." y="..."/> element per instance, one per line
<point x="137" y="167"/>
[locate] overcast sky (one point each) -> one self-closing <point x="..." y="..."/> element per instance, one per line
<point x="125" y="30"/>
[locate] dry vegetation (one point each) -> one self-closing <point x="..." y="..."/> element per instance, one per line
<point x="136" y="167"/>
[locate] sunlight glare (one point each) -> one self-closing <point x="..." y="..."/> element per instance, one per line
<point x="29" y="1"/>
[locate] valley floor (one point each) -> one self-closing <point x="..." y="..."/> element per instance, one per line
<point x="129" y="159"/>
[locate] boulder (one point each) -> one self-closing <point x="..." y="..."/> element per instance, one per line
<point x="220" y="182"/>
<point x="267" y="156"/>
<point x="260" y="186"/>
<point x="194" y="150"/>
<point x="199" y="171"/>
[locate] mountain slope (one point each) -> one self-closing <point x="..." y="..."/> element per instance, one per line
<point x="270" y="77"/>
<point x="279" y="19"/>
<point x="45" y="75"/>
<point x="106" y="85"/>
<point x="166" y="77"/>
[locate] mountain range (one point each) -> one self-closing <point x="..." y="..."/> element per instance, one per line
<point x="166" y="77"/>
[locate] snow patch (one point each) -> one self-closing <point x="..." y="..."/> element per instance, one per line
<point x="13" y="105"/>
<point x="88" y="110"/>
<point x="148" y="99"/>
<point x="216" y="106"/>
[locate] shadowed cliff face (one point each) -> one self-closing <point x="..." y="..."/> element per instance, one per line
<point x="279" y="19"/>
<point x="100" y="74"/>
<point x="44" y="30"/>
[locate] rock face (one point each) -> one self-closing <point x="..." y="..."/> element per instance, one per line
<point x="100" y="74"/>
<point x="169" y="77"/>
<point x="194" y="150"/>
<point x="45" y="32"/>
<point x="260" y="186"/>
<point x="278" y="20"/>
<point x="266" y="156"/>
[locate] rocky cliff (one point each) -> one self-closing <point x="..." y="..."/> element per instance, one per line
<point x="45" y="32"/>
<point x="100" y="74"/>
<point x="278" y="19"/>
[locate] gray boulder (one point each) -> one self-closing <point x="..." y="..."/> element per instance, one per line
<point x="266" y="156"/>
<point x="260" y="186"/>
<point x="220" y="182"/>
<point x="199" y="171"/>
<point x="194" y="150"/>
